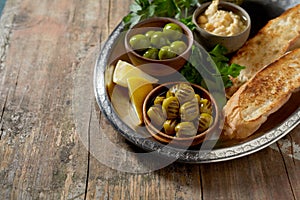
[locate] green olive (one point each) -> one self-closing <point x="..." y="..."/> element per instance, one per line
<point x="185" y="129"/>
<point x="171" y="106"/>
<point x="178" y="47"/>
<point x="139" y="42"/>
<point x="205" y="106"/>
<point x="189" y="111"/>
<point x="158" y="39"/>
<point x="184" y="92"/>
<point x="204" y="122"/>
<point x="173" y="31"/>
<point x="166" y="53"/>
<point x="159" y="100"/>
<point x="151" y="53"/>
<point x="156" y="116"/>
<point x="198" y="98"/>
<point x="169" y="126"/>
<point x="149" y="34"/>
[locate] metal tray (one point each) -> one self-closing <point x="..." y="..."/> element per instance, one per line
<point x="277" y="126"/>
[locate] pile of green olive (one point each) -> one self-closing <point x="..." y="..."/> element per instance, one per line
<point x="160" y="45"/>
<point x="181" y="112"/>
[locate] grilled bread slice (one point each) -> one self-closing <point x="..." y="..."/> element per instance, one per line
<point x="262" y="95"/>
<point x="277" y="37"/>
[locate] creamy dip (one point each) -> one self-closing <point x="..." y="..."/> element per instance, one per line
<point x="220" y="22"/>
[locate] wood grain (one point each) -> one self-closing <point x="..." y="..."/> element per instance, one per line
<point x="43" y="154"/>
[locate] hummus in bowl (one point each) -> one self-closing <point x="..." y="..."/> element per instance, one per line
<point x="221" y="23"/>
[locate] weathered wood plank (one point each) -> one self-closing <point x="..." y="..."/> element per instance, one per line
<point x="254" y="177"/>
<point x="43" y="153"/>
<point x="290" y="149"/>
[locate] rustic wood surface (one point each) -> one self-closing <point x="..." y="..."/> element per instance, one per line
<point x="47" y="51"/>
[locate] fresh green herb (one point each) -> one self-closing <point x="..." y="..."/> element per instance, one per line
<point x="189" y="71"/>
<point x="139" y="10"/>
<point x="188" y="22"/>
<point x="195" y="64"/>
<point x="226" y="70"/>
<point x="143" y="9"/>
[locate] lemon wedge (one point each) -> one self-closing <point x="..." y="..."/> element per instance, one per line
<point x="125" y="70"/>
<point x="138" y="89"/>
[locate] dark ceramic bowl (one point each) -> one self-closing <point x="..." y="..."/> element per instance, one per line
<point x="152" y="66"/>
<point x="210" y="40"/>
<point x="173" y="140"/>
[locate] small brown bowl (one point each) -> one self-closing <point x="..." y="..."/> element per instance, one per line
<point x="173" y="140"/>
<point x="210" y="40"/>
<point x="152" y="66"/>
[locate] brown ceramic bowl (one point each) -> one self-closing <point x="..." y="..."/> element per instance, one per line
<point x="173" y="140"/>
<point x="232" y="43"/>
<point x="152" y="66"/>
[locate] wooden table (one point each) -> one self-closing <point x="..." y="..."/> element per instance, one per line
<point x="48" y="51"/>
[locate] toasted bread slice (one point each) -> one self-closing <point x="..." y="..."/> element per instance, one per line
<point x="261" y="96"/>
<point x="278" y="36"/>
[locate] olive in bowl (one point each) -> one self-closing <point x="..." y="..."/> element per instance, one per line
<point x="159" y="46"/>
<point x="225" y="23"/>
<point x="180" y="113"/>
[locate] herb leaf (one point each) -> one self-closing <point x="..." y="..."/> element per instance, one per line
<point x="143" y="9"/>
<point x="226" y="70"/>
<point x="139" y="10"/>
<point x="188" y="22"/>
<point x="191" y="74"/>
<point x="165" y="8"/>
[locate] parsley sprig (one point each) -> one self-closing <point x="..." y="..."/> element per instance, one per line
<point x="222" y="62"/>
<point x="143" y="9"/>
<point x="191" y="70"/>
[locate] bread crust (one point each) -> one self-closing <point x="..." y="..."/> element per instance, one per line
<point x="278" y="36"/>
<point x="262" y="95"/>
